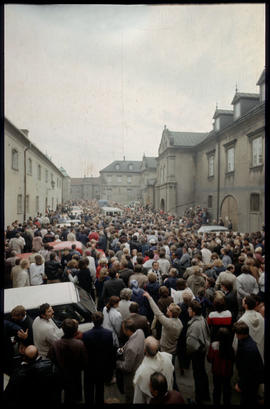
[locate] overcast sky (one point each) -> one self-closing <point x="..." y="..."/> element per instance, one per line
<point x="94" y="83"/>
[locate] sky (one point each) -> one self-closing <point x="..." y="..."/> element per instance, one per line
<point x="97" y="83"/>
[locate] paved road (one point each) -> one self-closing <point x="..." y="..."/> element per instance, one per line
<point x="185" y="384"/>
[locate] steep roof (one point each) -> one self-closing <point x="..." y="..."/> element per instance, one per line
<point x="186" y="138"/>
<point x="244" y="95"/>
<point x="124" y="166"/>
<point x="222" y="112"/>
<point x="261" y="80"/>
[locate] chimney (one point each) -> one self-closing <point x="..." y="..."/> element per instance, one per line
<point x="26" y="132"/>
<point x="124" y="158"/>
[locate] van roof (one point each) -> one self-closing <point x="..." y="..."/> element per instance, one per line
<point x="33" y="296"/>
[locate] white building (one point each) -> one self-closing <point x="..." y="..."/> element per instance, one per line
<point x="32" y="182"/>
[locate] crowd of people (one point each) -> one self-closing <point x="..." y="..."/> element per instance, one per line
<point x="164" y="294"/>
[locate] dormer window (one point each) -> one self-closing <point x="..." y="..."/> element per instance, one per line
<point x="130" y="166"/>
<point x="117" y="166"/>
<point x="237" y="110"/>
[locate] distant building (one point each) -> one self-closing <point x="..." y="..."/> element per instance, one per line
<point x="87" y="188"/>
<point x="32" y="181"/>
<point x="121" y="181"/>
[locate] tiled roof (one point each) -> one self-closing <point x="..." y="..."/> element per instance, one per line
<point x="124" y="166"/>
<point x="76" y="181"/>
<point x="186" y="138"/>
<point x="241" y="95"/>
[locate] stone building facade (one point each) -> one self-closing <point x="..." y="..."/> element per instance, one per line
<point x="121" y="181"/>
<point x="87" y="188"/>
<point x="222" y="170"/>
<point x="148" y="180"/>
<point x="32" y="182"/>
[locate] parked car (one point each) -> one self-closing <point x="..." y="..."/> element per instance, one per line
<point x="212" y="229"/>
<point x="67" y="300"/>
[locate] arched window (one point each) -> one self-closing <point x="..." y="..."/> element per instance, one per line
<point x="117" y="166"/>
<point x="130" y="166"/>
<point x="15" y="159"/>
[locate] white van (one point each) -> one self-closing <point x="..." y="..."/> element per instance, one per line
<point x="111" y="211"/>
<point x="212" y="229"/>
<point x="67" y="300"/>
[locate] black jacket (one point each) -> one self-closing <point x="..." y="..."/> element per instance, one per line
<point x="53" y="269"/>
<point x="112" y="287"/>
<point x="34" y="384"/>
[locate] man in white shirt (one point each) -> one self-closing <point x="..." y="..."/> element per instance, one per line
<point x="45" y="331"/>
<point x="154" y="361"/>
<point x="206" y="254"/>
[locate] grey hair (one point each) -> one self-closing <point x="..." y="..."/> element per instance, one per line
<point x="125" y="294"/>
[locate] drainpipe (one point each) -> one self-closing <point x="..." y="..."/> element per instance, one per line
<point x="24" y="205"/>
<point x="218" y="180"/>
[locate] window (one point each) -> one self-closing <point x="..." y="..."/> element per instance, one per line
<point x="237" y="110"/>
<point x="230" y="160"/>
<point x="46" y="176"/>
<point x="211" y="165"/>
<point x="109" y="179"/>
<point x="257" y="157"/>
<point x="254" y="202"/>
<point x="130" y="166"/>
<point x="52" y="202"/>
<point x="129" y="179"/>
<point x="37" y="203"/>
<point x="29" y="166"/>
<point x="210" y="201"/>
<point x="217" y="124"/>
<point x="19" y="204"/>
<point x="117" y="166"/>
<point x="119" y="179"/>
<point x="27" y="204"/>
<point x="15" y="159"/>
<point x="39" y="172"/>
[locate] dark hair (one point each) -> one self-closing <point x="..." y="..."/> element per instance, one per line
<point x="196" y="307"/>
<point x="245" y="269"/>
<point x="241" y="328"/>
<point x="70" y="327"/>
<point x="97" y="318"/>
<point x="82" y="264"/>
<point x="73" y="246"/>
<point x="134" y="307"/>
<point x="113" y="300"/>
<point x="151" y="254"/>
<point x="227" y="284"/>
<point x="250" y="302"/>
<point x="129" y="324"/>
<point x="140" y="260"/>
<point x="43" y="308"/>
<point x="159" y="383"/>
<point x="219" y="304"/>
<point x="52" y="256"/>
<point x="112" y="273"/>
<point x="164" y="291"/>
<point x="137" y="268"/>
